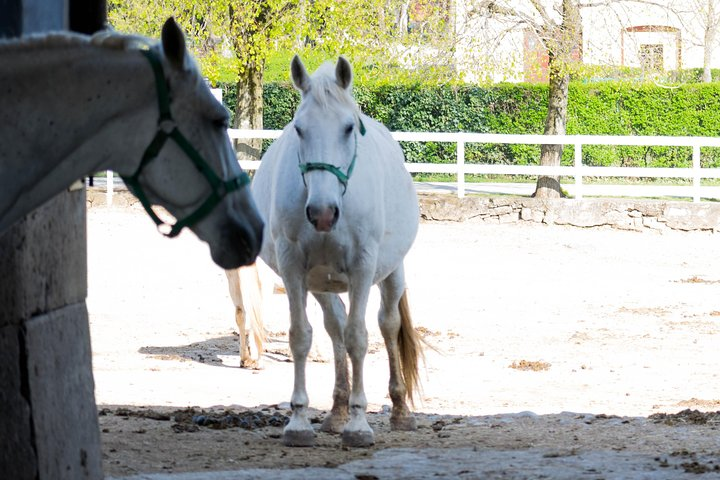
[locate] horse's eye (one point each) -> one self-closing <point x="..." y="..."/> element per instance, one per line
<point x="221" y="123"/>
<point x="349" y="129"/>
<point x="298" y="131"/>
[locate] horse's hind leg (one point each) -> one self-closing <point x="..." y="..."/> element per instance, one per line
<point x="252" y="299"/>
<point x="233" y="277"/>
<point x="335" y="318"/>
<point x="403" y="348"/>
<point x="241" y="313"/>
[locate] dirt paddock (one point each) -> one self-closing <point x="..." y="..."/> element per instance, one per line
<point x="563" y="341"/>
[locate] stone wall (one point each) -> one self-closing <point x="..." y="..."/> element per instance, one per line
<point x="50" y="430"/>
<point x="590" y="212"/>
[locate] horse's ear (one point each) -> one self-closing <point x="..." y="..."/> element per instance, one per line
<point x="343" y="73"/>
<point x="299" y="75"/>
<point x="173" y="42"/>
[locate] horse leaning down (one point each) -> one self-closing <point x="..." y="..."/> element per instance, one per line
<point x="73" y="105"/>
<point x="341" y="214"/>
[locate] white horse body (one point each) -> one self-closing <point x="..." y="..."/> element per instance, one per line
<point x="73" y="105"/>
<point x="383" y="206"/>
<point x="326" y="233"/>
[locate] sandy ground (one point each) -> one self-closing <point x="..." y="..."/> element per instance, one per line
<point x="618" y="326"/>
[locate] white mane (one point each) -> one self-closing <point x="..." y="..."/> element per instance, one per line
<point x="104" y="39"/>
<point x="325" y="89"/>
<point x="111" y="39"/>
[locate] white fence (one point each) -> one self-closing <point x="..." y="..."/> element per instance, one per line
<point x="696" y="191"/>
<point x="578" y="170"/>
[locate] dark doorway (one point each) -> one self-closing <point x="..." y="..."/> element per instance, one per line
<point x="86" y="16"/>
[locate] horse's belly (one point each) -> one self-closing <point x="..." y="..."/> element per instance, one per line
<point x="323" y="279"/>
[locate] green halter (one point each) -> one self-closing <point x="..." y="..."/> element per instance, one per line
<point x="167" y="129"/>
<point x="342" y="177"/>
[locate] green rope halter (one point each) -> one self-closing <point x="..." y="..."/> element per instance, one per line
<point x="342" y="177"/>
<point x="167" y="129"/>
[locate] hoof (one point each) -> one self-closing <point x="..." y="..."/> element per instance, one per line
<point x="403" y="424"/>
<point x="333" y="423"/>
<point x="358" y="439"/>
<point x="298" y="438"/>
<point x="251" y="365"/>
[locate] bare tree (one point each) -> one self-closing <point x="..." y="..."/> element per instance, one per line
<point x="711" y="20"/>
<point x="557" y="24"/>
<point x="706" y="15"/>
<point x="701" y="18"/>
<point x="560" y="31"/>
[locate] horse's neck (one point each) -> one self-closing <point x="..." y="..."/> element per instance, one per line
<point x="68" y="112"/>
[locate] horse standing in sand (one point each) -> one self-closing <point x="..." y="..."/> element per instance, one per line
<point x="72" y="105"/>
<point x="341" y="214"/>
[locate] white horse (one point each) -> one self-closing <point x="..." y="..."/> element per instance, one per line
<point x="71" y="105"/>
<point x="341" y="214"/>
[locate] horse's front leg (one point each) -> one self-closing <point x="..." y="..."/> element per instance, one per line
<point x="298" y="432"/>
<point x="357" y="432"/>
<point x="335" y="319"/>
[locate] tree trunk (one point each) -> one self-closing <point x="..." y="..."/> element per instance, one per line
<point x="549" y="186"/>
<point x="709" y="40"/>
<point x="249" y="112"/>
<point x="565" y="48"/>
<point x="300" y="36"/>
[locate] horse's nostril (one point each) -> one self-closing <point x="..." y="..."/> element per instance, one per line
<point x="322" y="218"/>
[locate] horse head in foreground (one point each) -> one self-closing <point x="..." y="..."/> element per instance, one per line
<point x="342" y="213"/>
<point x="74" y="105"/>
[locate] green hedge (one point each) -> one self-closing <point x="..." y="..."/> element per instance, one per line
<point x="645" y="109"/>
<point x="605" y="108"/>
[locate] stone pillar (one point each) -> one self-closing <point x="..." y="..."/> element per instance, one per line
<point x="49" y="428"/>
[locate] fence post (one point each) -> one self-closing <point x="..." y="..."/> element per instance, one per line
<point x="461" y="169"/>
<point x="578" y="171"/>
<point x="696" y="173"/>
<point x="109" y="188"/>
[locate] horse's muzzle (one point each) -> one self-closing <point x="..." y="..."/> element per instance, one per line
<point x="323" y="218"/>
<point x="240" y="245"/>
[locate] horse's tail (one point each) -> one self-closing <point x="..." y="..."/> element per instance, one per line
<point x="410" y="346"/>
<point x="253" y="302"/>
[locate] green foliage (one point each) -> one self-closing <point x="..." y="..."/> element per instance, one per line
<point x="692" y="75"/>
<point x="442" y="108"/>
<point x="203" y="22"/>
<point x="281" y="101"/>
<point x="231" y="37"/>
<point x="606" y="108"/>
<point x="645" y="109"/>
